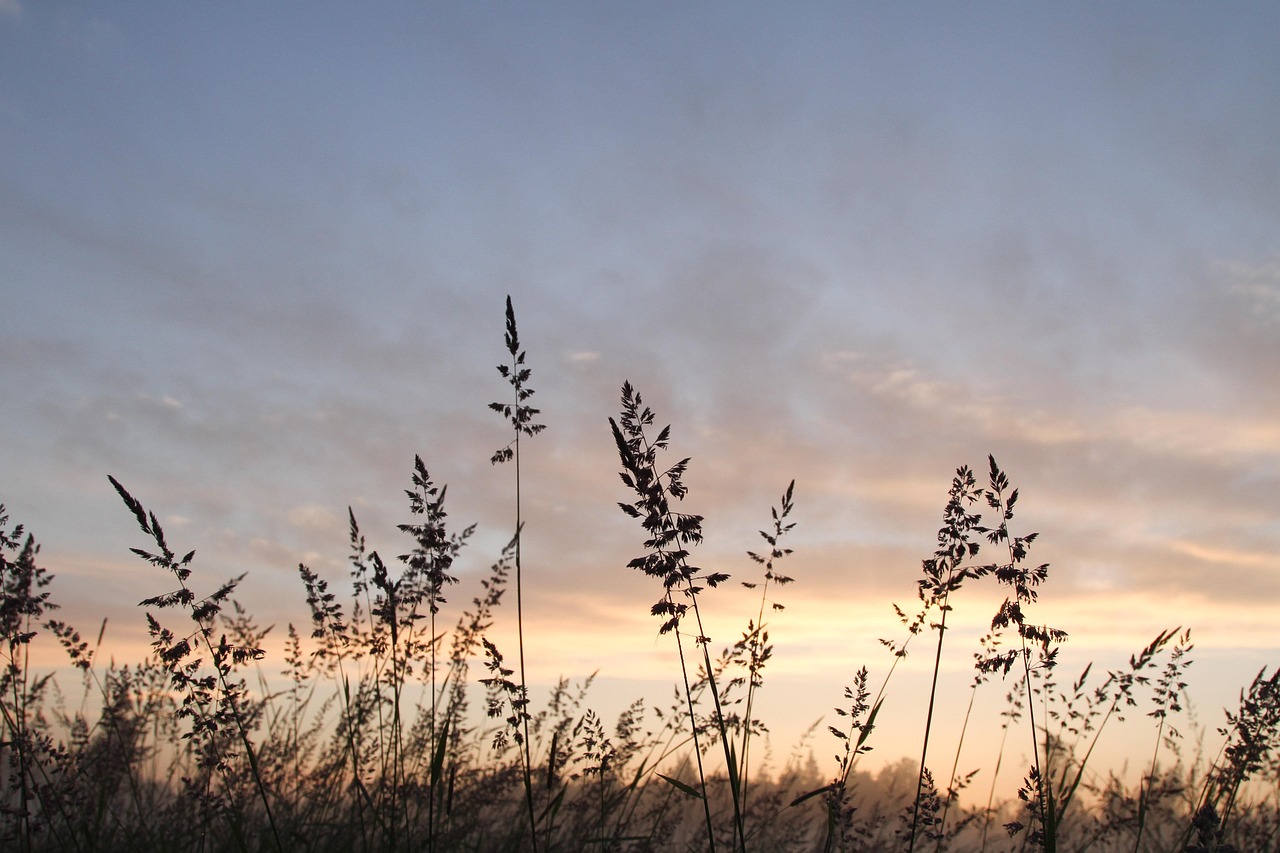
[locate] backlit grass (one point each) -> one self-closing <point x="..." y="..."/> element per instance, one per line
<point x="402" y="725"/>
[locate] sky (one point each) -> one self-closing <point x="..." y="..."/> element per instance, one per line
<point x="254" y="258"/>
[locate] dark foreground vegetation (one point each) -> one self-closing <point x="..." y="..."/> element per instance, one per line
<point x="373" y="740"/>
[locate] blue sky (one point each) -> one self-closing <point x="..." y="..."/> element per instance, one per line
<point x="254" y="258"/>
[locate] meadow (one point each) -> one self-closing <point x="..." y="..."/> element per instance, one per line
<point x="397" y="723"/>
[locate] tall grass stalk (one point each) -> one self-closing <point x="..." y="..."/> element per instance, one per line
<point x="1167" y="697"/>
<point x="1252" y="739"/>
<point x="521" y="417"/>
<point x="23" y="602"/>
<point x="944" y="573"/>
<point x="205" y="708"/>
<point x="854" y="740"/>
<point x="668" y="559"/>
<point x="756" y="640"/>
<point x="1023" y="582"/>
<point x="862" y="721"/>
<point x="429" y="566"/>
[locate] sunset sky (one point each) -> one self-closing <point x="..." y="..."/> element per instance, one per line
<point x="253" y="258"/>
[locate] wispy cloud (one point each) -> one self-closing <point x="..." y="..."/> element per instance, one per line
<point x="314" y="518"/>
<point x="901" y="383"/>
<point x="1166" y="431"/>
<point x="1258" y="286"/>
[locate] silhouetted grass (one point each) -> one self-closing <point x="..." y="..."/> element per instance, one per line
<point x="521" y="416"/>
<point x="371" y="738"/>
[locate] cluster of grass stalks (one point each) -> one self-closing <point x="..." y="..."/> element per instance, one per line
<point x="372" y="737"/>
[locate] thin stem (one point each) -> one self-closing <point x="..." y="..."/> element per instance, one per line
<point x="928" y="723"/>
<point x="1043" y="792"/>
<point x="955" y="766"/>
<point x="995" y="774"/>
<point x="431" y="790"/>
<point x="756" y="642"/>
<point x="702" y="640"/>
<point x="720" y="724"/>
<point x="524" y="686"/>
<point x="1144" y="790"/>
<point x="697" y="748"/>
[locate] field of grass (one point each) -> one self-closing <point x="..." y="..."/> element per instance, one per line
<point x="402" y="726"/>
